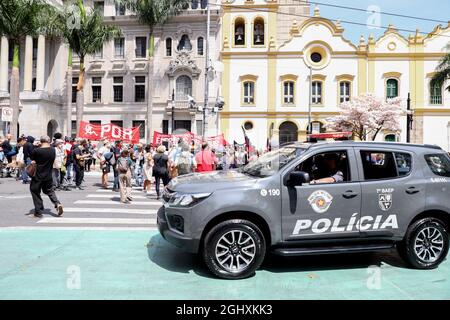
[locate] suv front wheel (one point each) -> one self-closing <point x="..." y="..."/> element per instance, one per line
<point x="234" y="249"/>
<point x="426" y="244"/>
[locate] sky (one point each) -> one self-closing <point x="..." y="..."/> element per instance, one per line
<point x="430" y="9"/>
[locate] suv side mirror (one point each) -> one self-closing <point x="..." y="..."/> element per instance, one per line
<point x="297" y="178"/>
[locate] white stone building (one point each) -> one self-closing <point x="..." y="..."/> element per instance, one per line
<point x="116" y="86"/>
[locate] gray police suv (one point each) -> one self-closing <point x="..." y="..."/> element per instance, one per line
<point x="322" y="198"/>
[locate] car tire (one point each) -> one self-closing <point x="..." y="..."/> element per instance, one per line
<point x="425" y="244"/>
<point x="234" y="249"/>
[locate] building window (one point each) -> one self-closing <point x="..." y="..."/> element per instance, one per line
<point x="249" y="92"/>
<point x="169" y="47"/>
<point x="96" y="89"/>
<point x="99" y="6"/>
<point x="74" y="89"/>
<point x="139" y="89"/>
<point x="33" y="85"/>
<point x="258" y="31"/>
<point x="120" y="9"/>
<point x="248" y="125"/>
<point x="344" y="91"/>
<point x="98" y="54"/>
<point x="141" y="125"/>
<point x="391" y="88"/>
<point x="200" y="46"/>
<point x="141" y="47"/>
<point x="118" y="89"/>
<point x="35" y="48"/>
<point x="165" y="126"/>
<point x="239" y="32"/>
<point x="316" y="92"/>
<point x="183" y="87"/>
<point x="73" y="132"/>
<point x="288" y="92"/>
<point x="10" y="50"/>
<point x="185" y="43"/>
<point x="119" y="48"/>
<point x="435" y="94"/>
<point x="118" y="123"/>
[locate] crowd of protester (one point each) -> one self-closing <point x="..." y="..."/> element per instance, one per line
<point x="141" y="165"/>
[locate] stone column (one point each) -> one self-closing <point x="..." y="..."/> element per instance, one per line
<point x="40" y="66"/>
<point x="4" y="51"/>
<point x="28" y="69"/>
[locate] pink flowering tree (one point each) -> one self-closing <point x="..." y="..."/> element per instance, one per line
<point x="366" y="115"/>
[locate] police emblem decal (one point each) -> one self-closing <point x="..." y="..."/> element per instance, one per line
<point x="320" y="201"/>
<point x="385" y="201"/>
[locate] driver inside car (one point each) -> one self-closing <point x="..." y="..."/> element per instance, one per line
<point x="329" y="169"/>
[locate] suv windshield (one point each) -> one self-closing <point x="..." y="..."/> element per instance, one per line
<point x="271" y="162"/>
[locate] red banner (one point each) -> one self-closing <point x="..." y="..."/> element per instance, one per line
<point x="109" y="131"/>
<point x="215" y="141"/>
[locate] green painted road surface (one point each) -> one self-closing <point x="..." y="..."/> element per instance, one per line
<point x="111" y="264"/>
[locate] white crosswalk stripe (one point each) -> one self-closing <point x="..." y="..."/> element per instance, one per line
<point x="97" y="221"/>
<point x="117" y="203"/>
<point x="102" y="209"/>
<point x="109" y="196"/>
<point x="111" y="210"/>
<point x="132" y="191"/>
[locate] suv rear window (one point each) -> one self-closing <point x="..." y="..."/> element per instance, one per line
<point x="385" y="165"/>
<point x="439" y="164"/>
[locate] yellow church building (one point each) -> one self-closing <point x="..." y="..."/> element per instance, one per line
<point x="278" y="60"/>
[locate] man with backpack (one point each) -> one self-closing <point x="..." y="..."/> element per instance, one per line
<point x="79" y="156"/>
<point x="124" y="165"/>
<point x="185" y="162"/>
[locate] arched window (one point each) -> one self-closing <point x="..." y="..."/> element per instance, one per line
<point x="435" y="94"/>
<point x="200" y="46"/>
<point x="258" y="31"/>
<point x="390" y="138"/>
<point x="288" y="132"/>
<point x="391" y="88"/>
<point x="169" y="47"/>
<point x="239" y="32"/>
<point x="185" y="43"/>
<point x="183" y="87"/>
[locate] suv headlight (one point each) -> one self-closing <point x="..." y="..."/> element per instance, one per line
<point x="186" y="200"/>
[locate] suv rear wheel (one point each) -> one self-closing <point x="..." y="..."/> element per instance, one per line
<point x="234" y="249"/>
<point x="426" y="244"/>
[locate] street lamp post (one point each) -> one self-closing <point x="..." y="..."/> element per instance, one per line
<point x="310" y="100"/>
<point x="409" y="119"/>
<point x="208" y="9"/>
<point x="173" y="110"/>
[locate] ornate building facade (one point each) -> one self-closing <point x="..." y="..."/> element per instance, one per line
<point x="267" y="84"/>
<point x="268" y="56"/>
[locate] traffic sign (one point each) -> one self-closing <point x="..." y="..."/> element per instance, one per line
<point x="7" y="114"/>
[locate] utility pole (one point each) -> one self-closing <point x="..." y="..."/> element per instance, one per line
<point x="205" y="106"/>
<point x="409" y="119"/>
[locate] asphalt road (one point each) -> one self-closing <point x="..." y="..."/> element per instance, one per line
<point x="55" y="258"/>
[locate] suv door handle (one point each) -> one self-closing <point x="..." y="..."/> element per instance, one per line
<point x="349" y="194"/>
<point x="412" y="190"/>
